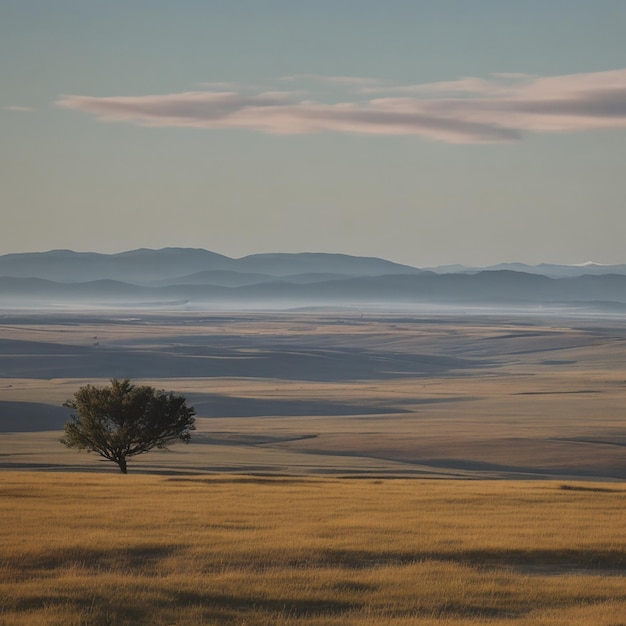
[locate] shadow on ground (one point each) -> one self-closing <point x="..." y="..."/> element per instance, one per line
<point x="28" y="417"/>
<point x="27" y="359"/>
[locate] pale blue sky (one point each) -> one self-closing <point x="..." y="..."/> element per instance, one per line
<point x="518" y="156"/>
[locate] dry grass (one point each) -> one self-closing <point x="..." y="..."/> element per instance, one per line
<point x="533" y="400"/>
<point x="90" y="550"/>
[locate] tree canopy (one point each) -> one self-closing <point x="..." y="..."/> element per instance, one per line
<point x="122" y="420"/>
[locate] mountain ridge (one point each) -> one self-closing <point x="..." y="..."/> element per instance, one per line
<point x="144" y="265"/>
<point x="59" y="277"/>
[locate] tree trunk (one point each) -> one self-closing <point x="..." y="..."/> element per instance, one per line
<point x="122" y="464"/>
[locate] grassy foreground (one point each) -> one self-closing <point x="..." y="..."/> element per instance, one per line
<point x="89" y="549"/>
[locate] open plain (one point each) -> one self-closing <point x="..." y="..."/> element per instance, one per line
<point x="333" y="475"/>
<point x="342" y="393"/>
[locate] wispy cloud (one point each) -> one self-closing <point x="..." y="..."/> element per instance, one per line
<point x="346" y="81"/>
<point x="467" y="110"/>
<point x="466" y="85"/>
<point x="19" y="108"/>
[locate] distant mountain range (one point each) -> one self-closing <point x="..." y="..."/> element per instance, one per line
<point x="177" y="265"/>
<point x="543" y="269"/>
<point x="181" y="276"/>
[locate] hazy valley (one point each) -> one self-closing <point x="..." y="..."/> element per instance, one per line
<point x="336" y="391"/>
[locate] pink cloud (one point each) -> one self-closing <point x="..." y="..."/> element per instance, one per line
<point x="460" y="85"/>
<point x="500" y="108"/>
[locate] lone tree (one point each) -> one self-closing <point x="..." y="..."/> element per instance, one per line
<point x="122" y="420"/>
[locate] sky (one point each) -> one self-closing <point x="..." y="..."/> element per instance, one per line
<point x="423" y="132"/>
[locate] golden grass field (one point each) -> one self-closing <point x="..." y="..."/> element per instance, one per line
<point x="332" y="478"/>
<point x="95" y="549"/>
